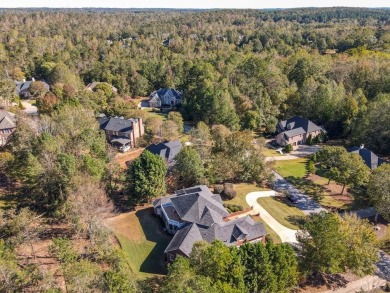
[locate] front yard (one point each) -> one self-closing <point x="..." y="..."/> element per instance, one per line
<point x="142" y="240"/>
<point x="284" y="212"/>
<point x="242" y="190"/>
<point x="292" y="168"/>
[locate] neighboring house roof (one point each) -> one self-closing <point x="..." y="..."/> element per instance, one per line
<point x="167" y="150"/>
<point x="297" y="122"/>
<point x="371" y="160"/>
<point x="22" y="86"/>
<point x="206" y="220"/>
<point x="92" y="85"/>
<point x="293" y="132"/>
<point x="163" y="94"/>
<point x="7" y="120"/>
<point x="116" y="124"/>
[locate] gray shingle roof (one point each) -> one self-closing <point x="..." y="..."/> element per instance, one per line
<point x="298" y="122"/>
<point x="7" y="120"/>
<point x="116" y="124"/>
<point x="227" y="232"/>
<point x="165" y="94"/>
<point x="294" y="132"/>
<point x="25" y="85"/>
<point x="167" y="150"/>
<point x="371" y="160"/>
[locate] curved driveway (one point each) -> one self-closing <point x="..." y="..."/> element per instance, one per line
<point x="285" y="234"/>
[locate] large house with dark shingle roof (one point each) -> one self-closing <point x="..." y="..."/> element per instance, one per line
<point x="371" y="160"/>
<point x="23" y="87"/>
<point x="167" y="98"/>
<point x="167" y="150"/>
<point x="7" y="126"/>
<point x="196" y="214"/>
<point x="121" y="132"/>
<point x="296" y="130"/>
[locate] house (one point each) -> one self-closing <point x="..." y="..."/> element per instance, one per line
<point x="196" y="214"/>
<point x="23" y="87"/>
<point x="296" y="130"/>
<point x="167" y="150"/>
<point x="120" y="132"/>
<point x="7" y="126"/>
<point x="371" y="160"/>
<point x="91" y="86"/>
<point x="165" y="98"/>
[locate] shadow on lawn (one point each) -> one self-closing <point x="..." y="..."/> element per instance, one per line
<point x="308" y="187"/>
<point x="154" y="263"/>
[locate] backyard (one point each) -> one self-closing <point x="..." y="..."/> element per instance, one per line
<point x="142" y="240"/>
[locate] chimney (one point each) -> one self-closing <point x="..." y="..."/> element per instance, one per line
<point x="141" y="126"/>
<point x="362" y="146"/>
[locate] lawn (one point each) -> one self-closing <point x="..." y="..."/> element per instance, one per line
<point x="268" y="152"/>
<point x="285" y="214"/>
<point x="160" y="115"/>
<point x="271" y="233"/>
<point x="142" y="240"/>
<point x="294" y="168"/>
<point x="242" y="190"/>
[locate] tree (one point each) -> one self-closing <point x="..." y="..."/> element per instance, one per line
<point x="178" y="119"/>
<point x="269" y="268"/>
<point x="146" y="176"/>
<point x="332" y="244"/>
<point x="378" y="190"/>
<point x="7" y="92"/>
<point x="189" y="168"/>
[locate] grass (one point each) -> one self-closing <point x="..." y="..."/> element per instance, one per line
<point x="292" y="168"/>
<point x="284" y="213"/>
<point x="271" y="153"/>
<point x="162" y="116"/>
<point x="242" y="190"/>
<point x="142" y="240"/>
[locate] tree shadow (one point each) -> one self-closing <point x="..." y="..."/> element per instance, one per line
<point x="296" y="220"/>
<point x="151" y="225"/>
<point x="308" y="187"/>
<point x="331" y="281"/>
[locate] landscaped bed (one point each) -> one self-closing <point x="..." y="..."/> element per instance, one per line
<point x="284" y="212"/>
<point x="242" y="190"/>
<point x="142" y="240"/>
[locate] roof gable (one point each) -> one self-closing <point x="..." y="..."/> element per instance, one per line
<point x="371" y="159"/>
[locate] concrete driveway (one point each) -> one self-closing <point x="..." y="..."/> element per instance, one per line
<point x="285" y="234"/>
<point x="305" y="203"/>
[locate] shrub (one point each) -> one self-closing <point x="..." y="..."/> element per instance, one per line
<point x="218" y="189"/>
<point x="311" y="167"/>
<point x="232" y="208"/>
<point x="288" y="148"/>
<point x="309" y="140"/>
<point x="228" y="191"/>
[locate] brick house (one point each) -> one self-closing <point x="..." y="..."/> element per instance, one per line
<point x="7" y="126"/>
<point x="121" y="132"/>
<point x="296" y="130"/>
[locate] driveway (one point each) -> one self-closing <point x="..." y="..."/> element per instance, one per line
<point x="285" y="234"/>
<point x="29" y="109"/>
<point x="305" y="203"/>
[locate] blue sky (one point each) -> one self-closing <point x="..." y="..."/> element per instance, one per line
<point x="193" y="3"/>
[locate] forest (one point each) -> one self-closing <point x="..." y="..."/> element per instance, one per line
<point x="240" y="72"/>
<point x="242" y="69"/>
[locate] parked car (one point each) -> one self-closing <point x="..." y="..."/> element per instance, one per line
<point x="294" y="198"/>
<point x="124" y="149"/>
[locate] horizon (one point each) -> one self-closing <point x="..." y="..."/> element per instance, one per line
<point x="192" y="4"/>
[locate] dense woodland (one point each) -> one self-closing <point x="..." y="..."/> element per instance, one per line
<point x="242" y="69"/>
<point x="239" y="71"/>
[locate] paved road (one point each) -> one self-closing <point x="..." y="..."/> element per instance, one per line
<point x="305" y="203"/>
<point x="285" y="234"/>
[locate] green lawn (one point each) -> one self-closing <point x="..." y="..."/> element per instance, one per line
<point x="271" y="233"/>
<point x="242" y="190"/>
<point x="271" y="152"/>
<point x="294" y="168"/>
<point x="285" y="214"/>
<point x="143" y="241"/>
<point x="160" y="115"/>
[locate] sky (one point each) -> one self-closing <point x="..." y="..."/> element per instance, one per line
<point x="255" y="4"/>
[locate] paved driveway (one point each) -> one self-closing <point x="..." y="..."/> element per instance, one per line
<point x="285" y="234"/>
<point x="305" y="203"/>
